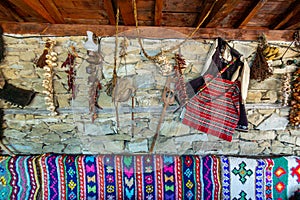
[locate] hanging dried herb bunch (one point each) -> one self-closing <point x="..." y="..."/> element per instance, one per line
<point x="295" y="100"/>
<point x="260" y="69"/>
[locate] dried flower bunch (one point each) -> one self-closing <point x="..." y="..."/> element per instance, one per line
<point x="51" y="59"/>
<point x="260" y="69"/>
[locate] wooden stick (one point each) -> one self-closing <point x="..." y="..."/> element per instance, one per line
<point x="5" y="148"/>
<point x="168" y="99"/>
<point x="158" y="127"/>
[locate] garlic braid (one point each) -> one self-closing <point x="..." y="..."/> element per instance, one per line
<point x="51" y="59"/>
<point x="286" y="89"/>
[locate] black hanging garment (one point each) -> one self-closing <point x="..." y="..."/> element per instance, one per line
<point x="217" y="107"/>
<point x="15" y="95"/>
<point x="9" y="92"/>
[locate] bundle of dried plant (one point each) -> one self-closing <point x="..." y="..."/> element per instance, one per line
<point x="260" y="69"/>
<point x="180" y="85"/>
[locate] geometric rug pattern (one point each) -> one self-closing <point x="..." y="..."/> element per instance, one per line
<point x="91" y="177"/>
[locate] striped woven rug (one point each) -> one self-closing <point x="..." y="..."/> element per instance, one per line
<point x="51" y="176"/>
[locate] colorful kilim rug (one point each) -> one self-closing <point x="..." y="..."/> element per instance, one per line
<point x="51" y="176"/>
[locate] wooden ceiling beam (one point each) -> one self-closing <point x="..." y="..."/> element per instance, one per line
<point x="291" y="12"/>
<point x="126" y="10"/>
<point x="221" y="9"/>
<point x="34" y="5"/>
<point x="158" y="12"/>
<point x="255" y="7"/>
<point x="42" y="29"/>
<point x="7" y="10"/>
<point x="50" y="6"/>
<point x="108" y="6"/>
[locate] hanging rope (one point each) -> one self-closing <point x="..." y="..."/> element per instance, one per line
<point x="155" y="58"/>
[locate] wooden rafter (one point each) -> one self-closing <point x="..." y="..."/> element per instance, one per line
<point x="5" y="8"/>
<point x="291" y="12"/>
<point x="146" y="32"/>
<point x="126" y="10"/>
<point x="222" y="9"/>
<point x="34" y="5"/>
<point x="158" y="12"/>
<point x="255" y="7"/>
<point x="293" y="26"/>
<point x="205" y="8"/>
<point x="110" y="11"/>
<point x="52" y="8"/>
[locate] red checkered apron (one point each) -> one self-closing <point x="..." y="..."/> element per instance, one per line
<point x="215" y="110"/>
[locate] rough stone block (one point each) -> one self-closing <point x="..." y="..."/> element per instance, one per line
<point x="138" y="146"/>
<point x="254" y="96"/>
<point x="274" y="122"/>
<point x="250" y="148"/>
<point x="258" y="135"/>
<point x="287" y="138"/>
<point x="255" y="119"/>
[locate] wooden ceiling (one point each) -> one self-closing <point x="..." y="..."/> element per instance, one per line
<point x="236" y="19"/>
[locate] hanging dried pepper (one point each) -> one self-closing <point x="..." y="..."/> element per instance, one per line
<point x="180" y="85"/>
<point x="71" y="73"/>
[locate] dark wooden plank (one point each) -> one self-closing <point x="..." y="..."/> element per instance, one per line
<point x="7" y="10"/>
<point x="108" y="6"/>
<point x="33" y="5"/>
<point x="293" y="26"/>
<point x="158" y="12"/>
<point x="182" y="5"/>
<point x="221" y="10"/>
<point x="292" y="12"/>
<point x="126" y="11"/>
<point x="182" y="19"/>
<point x="41" y="29"/>
<point x="50" y="6"/>
<point x="255" y="7"/>
<point x="206" y="7"/>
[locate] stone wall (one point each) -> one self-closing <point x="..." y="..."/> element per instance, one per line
<point x="31" y="130"/>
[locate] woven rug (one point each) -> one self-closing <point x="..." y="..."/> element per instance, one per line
<point x="51" y="176"/>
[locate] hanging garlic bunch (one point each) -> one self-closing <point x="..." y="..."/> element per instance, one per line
<point x="51" y="59"/>
<point x="286" y="89"/>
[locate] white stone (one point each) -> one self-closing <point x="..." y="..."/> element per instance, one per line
<point x="191" y="138"/>
<point x="250" y="148"/>
<point x="287" y="138"/>
<point x="138" y="146"/>
<point x="258" y="135"/>
<point x="298" y="141"/>
<point x="255" y="119"/>
<point x="274" y="122"/>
